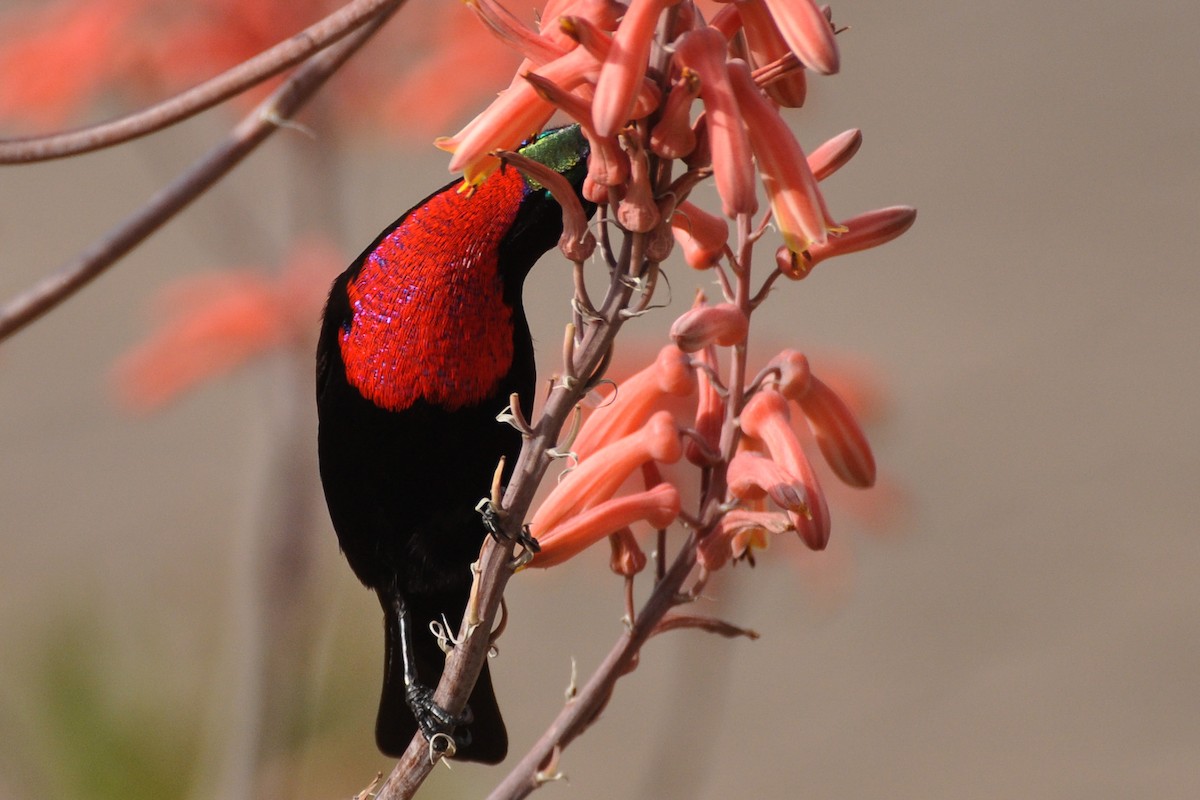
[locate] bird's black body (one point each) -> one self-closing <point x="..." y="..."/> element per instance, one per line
<point x="424" y="340"/>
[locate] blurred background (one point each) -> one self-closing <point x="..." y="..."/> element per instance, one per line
<point x="1015" y="613"/>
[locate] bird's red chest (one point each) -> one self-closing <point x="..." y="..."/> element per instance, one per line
<point x="429" y="319"/>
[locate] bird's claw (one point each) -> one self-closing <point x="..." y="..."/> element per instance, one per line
<point x="437" y="724"/>
<point x="492" y="520"/>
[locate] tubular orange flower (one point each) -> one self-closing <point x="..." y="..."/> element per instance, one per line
<point x="722" y="324"/>
<point x="588" y="35"/>
<point x="833" y="154"/>
<point x="607" y="163"/>
<point x="703" y="50"/>
<point x="515" y="115"/>
<point x="767" y="45"/>
<point x="796" y="201"/>
<point x="637" y="211"/>
<point x="602" y="14"/>
<point x="598" y="478"/>
<point x="838" y="434"/>
<point x="623" y="71"/>
<point x="862" y="233"/>
<point x="630" y="406"/>
<point x="728" y="21"/>
<point x="672" y="137"/>
<point x="212" y="324"/>
<point x="736" y="533"/>
<point x="658" y="506"/>
<point x="701" y="235"/>
<point x="808" y="33"/>
<point x="510" y="30"/>
<point x="766" y="418"/>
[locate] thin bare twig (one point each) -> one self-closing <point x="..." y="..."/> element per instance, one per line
<point x="192" y="101"/>
<point x="247" y="135"/>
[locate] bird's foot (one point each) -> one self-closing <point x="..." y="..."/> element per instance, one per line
<point x="493" y="518"/>
<point x="437" y="724"/>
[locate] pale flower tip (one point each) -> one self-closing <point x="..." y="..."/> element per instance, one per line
<point x="838" y="434"/>
<point x="724" y="324"/>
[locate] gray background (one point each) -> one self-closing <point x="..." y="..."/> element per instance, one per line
<point x="1029" y="628"/>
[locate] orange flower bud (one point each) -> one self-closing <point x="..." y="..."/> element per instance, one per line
<point x="511" y="117"/>
<point x="722" y="324"/>
<point x="658" y="506"/>
<point x="838" y="434"/>
<point x="514" y="33"/>
<point x="637" y="210"/>
<point x="672" y="137"/>
<point x="607" y="162"/>
<point x="701" y="235"/>
<point x="833" y="155"/>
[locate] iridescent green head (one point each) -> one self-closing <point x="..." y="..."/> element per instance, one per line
<point x="564" y="150"/>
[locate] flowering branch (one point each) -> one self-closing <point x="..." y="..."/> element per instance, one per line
<point x="252" y="131"/>
<point x="631" y="86"/>
<point x="234" y="81"/>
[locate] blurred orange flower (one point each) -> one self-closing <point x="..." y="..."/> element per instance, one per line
<point x="211" y="324"/>
<point x="58" y="59"/>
